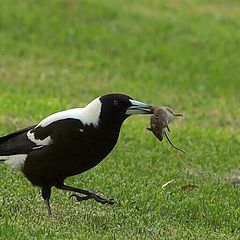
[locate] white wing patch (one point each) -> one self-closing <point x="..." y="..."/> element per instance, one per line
<point x="15" y="161"/>
<point x="37" y="147"/>
<point x="46" y="141"/>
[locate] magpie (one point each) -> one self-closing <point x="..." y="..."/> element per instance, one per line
<point x="68" y="143"/>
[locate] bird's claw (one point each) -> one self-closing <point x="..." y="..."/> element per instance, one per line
<point x="95" y="197"/>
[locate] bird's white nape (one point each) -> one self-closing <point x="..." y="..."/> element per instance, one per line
<point x="15" y="161"/>
<point x="91" y="113"/>
<point x="87" y="115"/>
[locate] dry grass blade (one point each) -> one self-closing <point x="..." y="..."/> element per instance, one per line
<point x="167" y="183"/>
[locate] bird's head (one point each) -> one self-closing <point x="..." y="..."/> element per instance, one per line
<point x="113" y="109"/>
<point x="118" y="107"/>
<point x="122" y="106"/>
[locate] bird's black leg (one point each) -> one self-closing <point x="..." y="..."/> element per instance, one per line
<point x="89" y="195"/>
<point x="46" y="193"/>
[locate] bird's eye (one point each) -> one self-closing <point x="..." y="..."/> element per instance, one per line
<point x="115" y="102"/>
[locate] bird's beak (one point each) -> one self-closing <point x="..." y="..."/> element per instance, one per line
<point x="139" y="108"/>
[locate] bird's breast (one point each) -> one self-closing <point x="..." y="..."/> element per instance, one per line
<point x="84" y="153"/>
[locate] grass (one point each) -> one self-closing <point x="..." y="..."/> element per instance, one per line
<point x="61" y="54"/>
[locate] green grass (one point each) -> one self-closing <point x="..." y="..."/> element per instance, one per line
<point x="60" y="54"/>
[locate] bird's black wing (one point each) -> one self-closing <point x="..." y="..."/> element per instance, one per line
<point x="14" y="134"/>
<point x="60" y="131"/>
<point x="25" y="140"/>
<point x="16" y="142"/>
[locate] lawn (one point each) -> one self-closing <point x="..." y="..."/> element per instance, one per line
<point x="61" y="54"/>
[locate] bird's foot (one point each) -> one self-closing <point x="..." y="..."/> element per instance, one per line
<point x="96" y="197"/>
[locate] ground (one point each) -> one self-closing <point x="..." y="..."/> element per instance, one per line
<point x="56" y="55"/>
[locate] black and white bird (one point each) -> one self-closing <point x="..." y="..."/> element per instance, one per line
<point x="68" y="143"/>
